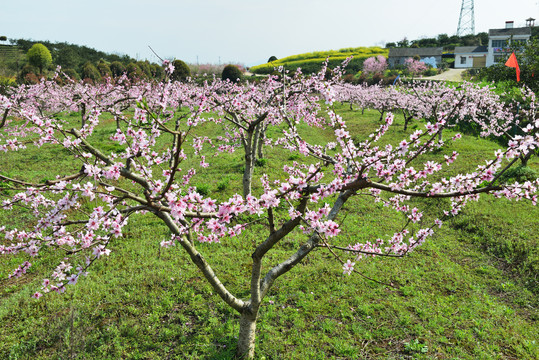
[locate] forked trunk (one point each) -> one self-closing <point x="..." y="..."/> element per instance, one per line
<point x="247" y="336"/>
<point x="524" y="159"/>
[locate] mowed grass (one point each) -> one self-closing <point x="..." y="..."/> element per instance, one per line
<point x="469" y="293"/>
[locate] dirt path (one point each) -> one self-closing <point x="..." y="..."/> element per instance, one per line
<point x="449" y="75"/>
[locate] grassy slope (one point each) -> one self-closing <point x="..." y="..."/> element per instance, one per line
<point x="456" y="297"/>
<point x="313" y="61"/>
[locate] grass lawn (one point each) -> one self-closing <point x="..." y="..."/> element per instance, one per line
<point x="471" y="292"/>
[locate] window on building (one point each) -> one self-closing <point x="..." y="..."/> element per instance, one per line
<point x="499" y="43"/>
<point x="463" y="59"/>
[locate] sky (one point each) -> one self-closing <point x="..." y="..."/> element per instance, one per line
<point x="245" y="31"/>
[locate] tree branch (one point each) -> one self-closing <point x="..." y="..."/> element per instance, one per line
<point x="202" y="264"/>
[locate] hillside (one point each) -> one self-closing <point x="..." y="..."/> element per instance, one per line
<point x="312" y="62"/>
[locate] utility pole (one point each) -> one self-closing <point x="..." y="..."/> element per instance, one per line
<point x="466" y="19"/>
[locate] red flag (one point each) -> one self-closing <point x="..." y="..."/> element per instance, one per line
<point x="512" y="62"/>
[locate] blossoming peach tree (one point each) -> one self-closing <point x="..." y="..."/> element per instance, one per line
<point x="149" y="173"/>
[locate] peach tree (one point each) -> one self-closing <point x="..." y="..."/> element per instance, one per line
<point x="151" y="172"/>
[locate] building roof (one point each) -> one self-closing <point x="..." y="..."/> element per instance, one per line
<point x="396" y="52"/>
<point x="471" y="49"/>
<point x="509" y="32"/>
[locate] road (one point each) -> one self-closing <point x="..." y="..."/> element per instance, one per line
<point x="449" y="75"/>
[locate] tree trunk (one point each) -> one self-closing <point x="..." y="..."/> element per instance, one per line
<point x="524" y="159"/>
<point x="248" y="173"/>
<point x="83" y="115"/>
<point x="261" y="139"/>
<point x="247" y="335"/>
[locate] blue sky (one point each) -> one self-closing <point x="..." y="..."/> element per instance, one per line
<point x="243" y="31"/>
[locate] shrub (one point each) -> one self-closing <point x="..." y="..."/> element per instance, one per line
<point x="519" y="174"/>
<point x="5" y="84"/>
<point x="157" y="72"/>
<point x="181" y="71"/>
<point x="146" y="69"/>
<point x="232" y="73"/>
<point x="72" y="74"/>
<point x="134" y="72"/>
<point x="89" y="71"/>
<point x="203" y="189"/>
<point x="104" y="69"/>
<point x="117" y="68"/>
<point x="272" y="58"/>
<point x="223" y="184"/>
<point x="261" y="162"/>
<point x="26" y="69"/>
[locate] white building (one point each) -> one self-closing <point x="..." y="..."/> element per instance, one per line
<point x="503" y="41"/>
<point x="470" y="57"/>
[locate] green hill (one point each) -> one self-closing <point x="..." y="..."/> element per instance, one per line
<point x="312" y="62"/>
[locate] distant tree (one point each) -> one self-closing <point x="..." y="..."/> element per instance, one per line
<point x="68" y="58"/>
<point x="272" y="58"/>
<point x="403" y="43"/>
<point x="414" y="66"/>
<point x="3" y="38"/>
<point x="39" y="56"/>
<point x="181" y="70"/>
<point x="26" y="69"/>
<point x="157" y="72"/>
<point x="374" y="65"/>
<point x="117" y="68"/>
<point x="104" y="69"/>
<point x="72" y="74"/>
<point x="391" y="45"/>
<point x="145" y="67"/>
<point x="134" y="71"/>
<point x="89" y="71"/>
<point x="232" y="73"/>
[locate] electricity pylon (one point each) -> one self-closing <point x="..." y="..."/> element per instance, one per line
<point x="466" y="19"/>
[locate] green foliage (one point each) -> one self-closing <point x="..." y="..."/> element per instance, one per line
<point x="6" y="83"/>
<point x="68" y="58"/>
<point x="27" y="74"/>
<point x="157" y="72"/>
<point x="181" y="71"/>
<point x="146" y="69"/>
<point x="70" y="55"/>
<point x="203" y="189"/>
<point x="134" y="72"/>
<point x="463" y="295"/>
<point x="415" y="347"/>
<point x="117" y="68"/>
<point x="90" y="72"/>
<point x="261" y="162"/>
<point x="222" y="185"/>
<point x="104" y="69"/>
<point x="72" y="74"/>
<point x="232" y="73"/>
<point x="519" y="174"/>
<point x="312" y="62"/>
<point x="3" y="38"/>
<point x="443" y="40"/>
<point x="272" y="58"/>
<point x="39" y="56"/>
<point x="528" y="60"/>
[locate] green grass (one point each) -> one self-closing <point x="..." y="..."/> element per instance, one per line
<point x="469" y="293"/>
<point x="312" y="62"/>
